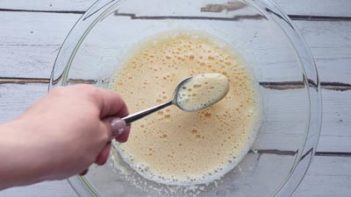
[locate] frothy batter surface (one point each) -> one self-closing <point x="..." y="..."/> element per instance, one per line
<point x="177" y="147"/>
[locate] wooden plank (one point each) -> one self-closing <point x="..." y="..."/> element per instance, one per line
<point x="47" y="5"/>
<point x="14" y="99"/>
<point x="336" y="128"/>
<point x="335" y="132"/>
<point x="51" y="188"/>
<point x="29" y="42"/>
<point x="296" y="7"/>
<point x="316" y="7"/>
<point x="335" y="135"/>
<point x="327" y="176"/>
<point x="281" y="117"/>
<point x="31" y="51"/>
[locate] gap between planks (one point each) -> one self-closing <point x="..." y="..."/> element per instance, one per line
<point x="284" y="85"/>
<point x="291" y="16"/>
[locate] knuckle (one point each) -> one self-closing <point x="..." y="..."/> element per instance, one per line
<point x="58" y="91"/>
<point x="87" y="89"/>
<point x="81" y="90"/>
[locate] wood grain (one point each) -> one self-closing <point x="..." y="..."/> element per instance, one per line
<point x="316" y="7"/>
<point x="327" y="176"/>
<point x="334" y="8"/>
<point x="29" y="42"/>
<point x="45" y="189"/>
<point x="14" y="99"/>
<point x="47" y="5"/>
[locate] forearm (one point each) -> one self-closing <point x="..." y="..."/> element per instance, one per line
<point x="18" y="165"/>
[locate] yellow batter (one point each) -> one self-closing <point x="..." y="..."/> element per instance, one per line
<point x="177" y="147"/>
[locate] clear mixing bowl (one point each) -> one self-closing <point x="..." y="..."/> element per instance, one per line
<point x="266" y="40"/>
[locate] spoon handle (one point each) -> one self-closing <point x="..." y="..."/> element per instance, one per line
<point x="136" y="116"/>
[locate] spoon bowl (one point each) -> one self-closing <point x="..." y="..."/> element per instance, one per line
<point x="200" y="91"/>
<point x="192" y="94"/>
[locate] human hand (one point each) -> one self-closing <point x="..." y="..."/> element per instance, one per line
<point x="66" y="131"/>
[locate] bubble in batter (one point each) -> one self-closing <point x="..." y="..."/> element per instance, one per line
<point x="181" y="148"/>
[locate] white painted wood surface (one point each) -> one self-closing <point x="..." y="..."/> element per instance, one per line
<point x="37" y="39"/>
<point x="46" y="189"/>
<point x="39" y="35"/>
<point x="327" y="177"/>
<point x="296" y="7"/>
<point x="29" y="42"/>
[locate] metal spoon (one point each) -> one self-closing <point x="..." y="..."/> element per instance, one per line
<point x="212" y="87"/>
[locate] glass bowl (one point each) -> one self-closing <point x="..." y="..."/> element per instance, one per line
<point x="265" y="38"/>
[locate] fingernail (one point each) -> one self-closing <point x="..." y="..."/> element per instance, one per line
<point x="118" y="126"/>
<point x="84" y="172"/>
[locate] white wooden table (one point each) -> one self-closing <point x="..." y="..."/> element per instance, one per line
<point x="31" y="33"/>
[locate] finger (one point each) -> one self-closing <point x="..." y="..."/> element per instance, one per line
<point x="123" y="131"/>
<point x="124" y="136"/>
<point x="118" y="126"/>
<point x="103" y="156"/>
<point x="120" y="130"/>
<point x="111" y="104"/>
<point x="117" y="129"/>
<point x="84" y="172"/>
